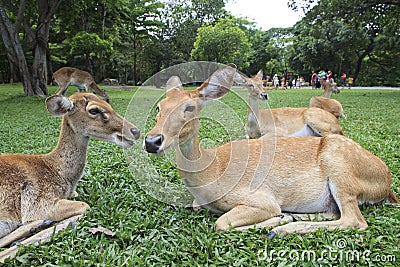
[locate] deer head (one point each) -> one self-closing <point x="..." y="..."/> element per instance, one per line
<point x="254" y="85"/>
<point x="90" y="116"/>
<point x="178" y="118"/>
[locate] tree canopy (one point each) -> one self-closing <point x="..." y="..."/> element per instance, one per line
<point x="224" y="42"/>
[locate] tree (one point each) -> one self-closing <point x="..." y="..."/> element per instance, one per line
<point x="91" y="46"/>
<point x="224" y="43"/>
<point x="16" y="22"/>
<point x="361" y="36"/>
<point x="128" y="26"/>
<point x="181" y="19"/>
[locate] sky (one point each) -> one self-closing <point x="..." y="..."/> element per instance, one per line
<point x="266" y="13"/>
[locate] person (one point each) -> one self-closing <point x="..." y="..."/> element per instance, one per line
<point x="290" y="83"/>
<point x="283" y="83"/>
<point x="317" y="82"/>
<point x="350" y="81"/>
<point x="329" y="77"/>
<point x="322" y="75"/>
<point x="301" y="81"/>
<point x="276" y="81"/>
<point x="313" y="80"/>
<point x="298" y="82"/>
<point x="343" y="79"/>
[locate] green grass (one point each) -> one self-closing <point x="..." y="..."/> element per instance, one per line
<point x="152" y="232"/>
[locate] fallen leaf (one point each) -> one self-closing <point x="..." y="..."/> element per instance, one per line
<point x="101" y="229"/>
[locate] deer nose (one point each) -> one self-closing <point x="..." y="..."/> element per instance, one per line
<point x="264" y="96"/>
<point x="136" y="133"/>
<point x="153" y="143"/>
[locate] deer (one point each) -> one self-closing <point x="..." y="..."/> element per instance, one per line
<point x="326" y="103"/>
<point x="66" y="76"/>
<point x="34" y="187"/>
<point x="283" y="121"/>
<point x="260" y="182"/>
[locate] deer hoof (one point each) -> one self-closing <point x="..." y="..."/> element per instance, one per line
<point x="271" y="235"/>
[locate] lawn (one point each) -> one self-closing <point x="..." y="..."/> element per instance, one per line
<point x="141" y="199"/>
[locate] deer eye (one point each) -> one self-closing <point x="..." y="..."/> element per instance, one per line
<point x="189" y="108"/>
<point x="94" y="111"/>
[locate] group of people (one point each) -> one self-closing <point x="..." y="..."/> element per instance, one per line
<point x="284" y="82"/>
<point x="328" y="77"/>
<point x="316" y="77"/>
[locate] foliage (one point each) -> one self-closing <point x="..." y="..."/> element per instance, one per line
<point x="225" y="43"/>
<point x="152" y="233"/>
<point x="90" y="45"/>
<point x="27" y="23"/>
<point x="347" y="37"/>
<point x="181" y="20"/>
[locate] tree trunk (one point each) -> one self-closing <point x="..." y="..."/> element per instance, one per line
<point x="12" y="44"/>
<point x="40" y="49"/>
<point x="360" y="59"/>
<point x="38" y="39"/>
<point x="39" y="67"/>
<point x="14" y="77"/>
<point x="134" y="61"/>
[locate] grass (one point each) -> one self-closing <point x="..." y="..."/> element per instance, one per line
<point x="152" y="232"/>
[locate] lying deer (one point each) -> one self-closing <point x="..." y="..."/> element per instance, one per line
<point x="252" y="181"/>
<point x="82" y="79"/>
<point x="326" y="103"/>
<point x="283" y="121"/>
<point x="35" y="187"/>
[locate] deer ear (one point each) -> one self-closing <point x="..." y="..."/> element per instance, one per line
<point x="173" y="83"/>
<point x="260" y="74"/>
<point x="59" y="105"/>
<point x="239" y="78"/>
<point x="218" y="84"/>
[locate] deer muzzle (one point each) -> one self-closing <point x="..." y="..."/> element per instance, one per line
<point x="153" y="144"/>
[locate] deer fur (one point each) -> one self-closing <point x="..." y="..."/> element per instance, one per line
<point x="36" y="187"/>
<point x="280" y="122"/>
<point x="252" y="181"/>
<point x="66" y="76"/>
<point x="326" y="103"/>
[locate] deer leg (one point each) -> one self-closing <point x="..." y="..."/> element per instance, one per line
<point x="315" y="216"/>
<point x="287" y="218"/>
<point x="24" y="231"/>
<point x="40" y="237"/>
<point x="64" y="208"/>
<point x="274" y="221"/>
<point x="7" y="227"/>
<point x="243" y="215"/>
<point x="81" y="88"/>
<point x="62" y="90"/>
<point x="59" y="210"/>
<point x="350" y="217"/>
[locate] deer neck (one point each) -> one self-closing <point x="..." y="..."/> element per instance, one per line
<point x="327" y="93"/>
<point x="192" y="160"/>
<point x="253" y="118"/>
<point x="68" y="158"/>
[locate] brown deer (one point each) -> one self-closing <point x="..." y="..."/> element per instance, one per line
<point x="36" y="187"/>
<point x="326" y="103"/>
<point x="279" y="122"/>
<point x="82" y="79"/>
<point x="252" y="181"/>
